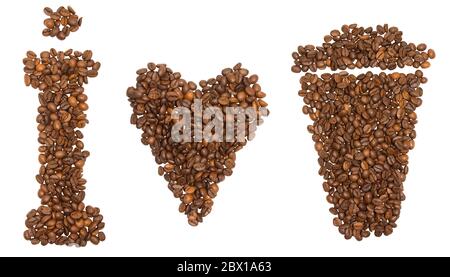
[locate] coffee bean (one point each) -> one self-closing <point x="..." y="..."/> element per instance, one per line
<point x="421" y="47"/>
<point x="60" y="154"/>
<point x="336" y="222"/>
<point x="27" y="80"/>
<point x="431" y="54"/>
<point x="425" y="64"/>
<point x="73" y="20"/>
<point x="318" y="146"/>
<point x="45" y="210"/>
<point x="101" y="236"/>
<point x="199" y="167"/>
<point x="48" y="11"/>
<point x="95" y="240"/>
<point x="49" y="23"/>
<point x="87" y="55"/>
<point x="61" y="35"/>
<point x="40" y="67"/>
<point x="83" y="106"/>
<point x="27" y="234"/>
<point x="76" y="215"/>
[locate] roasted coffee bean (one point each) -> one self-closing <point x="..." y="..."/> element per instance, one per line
<point x="60" y="23"/>
<point x="193" y="169"/>
<point x="62" y="217"/>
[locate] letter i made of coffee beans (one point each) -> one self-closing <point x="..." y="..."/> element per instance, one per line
<point x="62" y="217"/>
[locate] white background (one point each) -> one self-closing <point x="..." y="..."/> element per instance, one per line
<point x="273" y="204"/>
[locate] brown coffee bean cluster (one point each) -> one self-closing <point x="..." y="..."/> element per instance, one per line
<point x="61" y="23"/>
<point x="62" y="217"/>
<point x="192" y="169"/>
<point x="363" y="126"/>
<point x="363" y="129"/>
<point x="359" y="47"/>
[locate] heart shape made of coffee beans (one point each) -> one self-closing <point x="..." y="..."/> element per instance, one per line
<point x="194" y="166"/>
